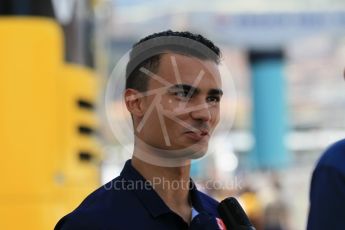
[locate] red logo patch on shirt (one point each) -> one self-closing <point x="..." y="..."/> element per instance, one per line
<point x="221" y="224"/>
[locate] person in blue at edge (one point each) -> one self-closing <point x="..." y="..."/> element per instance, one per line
<point x="327" y="192"/>
<point x="173" y="92"/>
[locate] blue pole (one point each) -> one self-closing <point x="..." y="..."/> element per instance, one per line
<point x="269" y="110"/>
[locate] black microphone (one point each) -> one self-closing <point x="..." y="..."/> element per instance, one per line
<point x="233" y="215"/>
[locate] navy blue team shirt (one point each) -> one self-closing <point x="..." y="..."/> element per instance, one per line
<point x="129" y="202"/>
<point x="327" y="192"/>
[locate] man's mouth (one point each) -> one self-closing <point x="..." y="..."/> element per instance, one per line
<point x="201" y="134"/>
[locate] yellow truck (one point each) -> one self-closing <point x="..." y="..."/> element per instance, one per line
<point x="49" y="156"/>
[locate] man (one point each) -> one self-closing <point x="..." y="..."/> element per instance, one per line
<point x="327" y="192"/>
<point x="172" y="92"/>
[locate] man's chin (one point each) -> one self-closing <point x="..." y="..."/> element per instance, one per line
<point x="197" y="153"/>
<point x="191" y="152"/>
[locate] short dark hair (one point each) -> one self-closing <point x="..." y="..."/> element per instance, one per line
<point x="147" y="53"/>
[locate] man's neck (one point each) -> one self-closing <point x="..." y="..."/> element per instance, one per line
<point x="171" y="184"/>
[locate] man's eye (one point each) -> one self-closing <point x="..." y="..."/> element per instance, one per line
<point x="182" y="94"/>
<point x="213" y="99"/>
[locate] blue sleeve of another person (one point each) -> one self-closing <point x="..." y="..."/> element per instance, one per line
<point x="327" y="192"/>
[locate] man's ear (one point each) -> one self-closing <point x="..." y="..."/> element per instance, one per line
<point x="134" y="102"/>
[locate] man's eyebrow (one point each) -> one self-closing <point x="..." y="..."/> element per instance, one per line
<point x="194" y="90"/>
<point x="215" y="92"/>
<point x="184" y="87"/>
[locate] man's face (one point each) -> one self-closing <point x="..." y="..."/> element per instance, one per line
<point x="181" y="105"/>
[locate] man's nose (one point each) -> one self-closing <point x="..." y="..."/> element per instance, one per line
<point x="201" y="113"/>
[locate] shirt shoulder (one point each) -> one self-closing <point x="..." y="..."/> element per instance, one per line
<point x="100" y="207"/>
<point x="334" y="157"/>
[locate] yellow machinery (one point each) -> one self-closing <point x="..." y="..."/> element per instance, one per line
<point x="49" y="155"/>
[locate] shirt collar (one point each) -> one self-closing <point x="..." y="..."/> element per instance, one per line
<point x="150" y="199"/>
